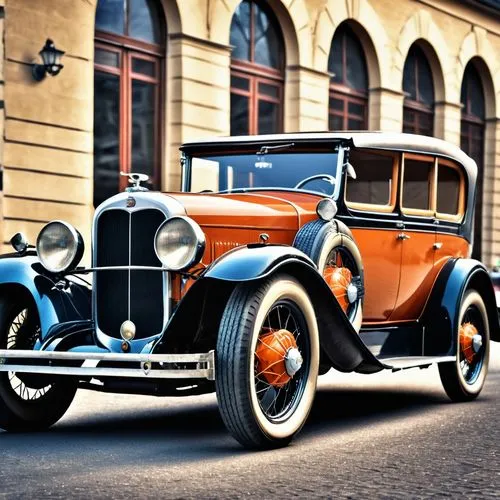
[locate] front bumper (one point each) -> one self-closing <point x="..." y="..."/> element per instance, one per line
<point x="86" y="364"/>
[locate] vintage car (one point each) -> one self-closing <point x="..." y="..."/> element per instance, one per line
<point x="283" y="256"/>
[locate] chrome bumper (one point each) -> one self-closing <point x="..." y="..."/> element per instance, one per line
<point x="151" y="365"/>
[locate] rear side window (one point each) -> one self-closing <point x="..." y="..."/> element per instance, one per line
<point x="375" y="180"/>
<point x="417" y="182"/>
<point x="450" y="189"/>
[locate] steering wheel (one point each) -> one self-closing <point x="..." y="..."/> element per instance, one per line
<point x="323" y="177"/>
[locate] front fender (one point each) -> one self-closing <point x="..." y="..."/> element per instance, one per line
<point x="441" y="315"/>
<point x="253" y="261"/>
<point x="195" y="323"/>
<point x="55" y="303"/>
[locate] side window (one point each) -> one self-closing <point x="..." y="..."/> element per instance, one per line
<point x="417" y="185"/>
<point x="376" y="180"/>
<point x="450" y="191"/>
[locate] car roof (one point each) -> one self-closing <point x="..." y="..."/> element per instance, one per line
<point x="394" y="141"/>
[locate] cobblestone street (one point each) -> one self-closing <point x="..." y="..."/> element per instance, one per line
<point x="379" y="436"/>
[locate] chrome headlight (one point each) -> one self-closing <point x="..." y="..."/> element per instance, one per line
<point x="179" y="243"/>
<point x="59" y="246"/>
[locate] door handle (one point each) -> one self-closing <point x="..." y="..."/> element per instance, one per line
<point x="403" y="236"/>
<point x="437" y="245"/>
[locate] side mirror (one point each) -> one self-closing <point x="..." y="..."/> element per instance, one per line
<point x="350" y="170"/>
<point x="19" y="243"/>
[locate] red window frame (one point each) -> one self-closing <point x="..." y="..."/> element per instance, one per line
<point x="128" y="49"/>
<point x="417" y="115"/>
<point x="346" y="94"/>
<point x="256" y="74"/>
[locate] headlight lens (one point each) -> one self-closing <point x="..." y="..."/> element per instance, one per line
<point x="179" y="243"/>
<point x="59" y="246"/>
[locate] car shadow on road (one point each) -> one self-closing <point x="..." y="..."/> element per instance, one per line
<point x="185" y="432"/>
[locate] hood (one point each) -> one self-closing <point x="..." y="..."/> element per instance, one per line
<point x="264" y="210"/>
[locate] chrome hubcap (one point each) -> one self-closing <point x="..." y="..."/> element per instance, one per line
<point x="477" y="342"/>
<point x="352" y="293"/>
<point x="293" y="361"/>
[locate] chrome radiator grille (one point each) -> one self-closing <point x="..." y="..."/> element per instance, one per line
<point x="127" y="239"/>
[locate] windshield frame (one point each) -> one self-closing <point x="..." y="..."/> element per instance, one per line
<point x="337" y="148"/>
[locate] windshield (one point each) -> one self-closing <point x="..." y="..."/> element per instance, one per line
<point x="308" y="171"/>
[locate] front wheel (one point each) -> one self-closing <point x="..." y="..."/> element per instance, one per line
<point x="28" y="401"/>
<point x="267" y="362"/>
<point x="464" y="378"/>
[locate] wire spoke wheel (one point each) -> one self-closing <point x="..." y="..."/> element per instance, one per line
<point x="28" y="401"/>
<point x="342" y="274"/>
<point x="464" y="378"/>
<point x="22" y="334"/>
<point x="278" y="392"/>
<point x="267" y="361"/>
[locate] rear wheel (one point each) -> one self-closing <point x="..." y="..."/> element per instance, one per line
<point x="267" y="362"/>
<point x="28" y="401"/>
<point x="464" y="378"/>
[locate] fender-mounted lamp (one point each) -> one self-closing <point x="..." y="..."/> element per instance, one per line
<point x="51" y="57"/>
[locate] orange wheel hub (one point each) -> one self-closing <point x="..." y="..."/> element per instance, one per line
<point x="467" y="333"/>
<point x="271" y="356"/>
<point x="339" y="279"/>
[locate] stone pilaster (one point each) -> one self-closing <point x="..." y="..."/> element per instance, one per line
<point x="198" y="102"/>
<point x="385" y="110"/>
<point x="306" y="100"/>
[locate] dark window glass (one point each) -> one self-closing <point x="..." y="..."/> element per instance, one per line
<point x="472" y="94"/>
<point x="110" y="16"/>
<point x="268" y="117"/>
<point x="239" y="114"/>
<point x="409" y="78"/>
<point x="349" y="83"/>
<point x="240" y="83"/>
<point x="448" y="190"/>
<point x="143" y="66"/>
<point x="270" y="90"/>
<point x="145" y="21"/>
<point x="347" y="60"/>
<point x="418" y="114"/>
<point x="416" y="184"/>
<point x="143" y="127"/>
<point x="267" y="40"/>
<point x="335" y="122"/>
<point x="373" y="181"/>
<point x="240" y="32"/>
<point x="257" y="63"/>
<point x="106" y="135"/>
<point x="107" y="58"/>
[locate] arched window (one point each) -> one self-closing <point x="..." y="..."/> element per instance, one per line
<point x="472" y="139"/>
<point x="418" y="111"/>
<point x="348" y="108"/>
<point x="129" y="51"/>
<point x="257" y="65"/>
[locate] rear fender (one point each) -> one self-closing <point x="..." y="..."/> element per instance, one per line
<point x="440" y="317"/>
<point x="56" y="301"/>
<point x="195" y="323"/>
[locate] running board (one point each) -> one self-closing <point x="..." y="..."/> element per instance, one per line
<point x="180" y="366"/>
<point x="403" y="363"/>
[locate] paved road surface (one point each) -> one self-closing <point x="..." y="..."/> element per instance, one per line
<point x="378" y="436"/>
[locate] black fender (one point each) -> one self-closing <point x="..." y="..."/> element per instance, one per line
<point x="195" y="323"/>
<point x="440" y="317"/>
<point x="57" y="300"/>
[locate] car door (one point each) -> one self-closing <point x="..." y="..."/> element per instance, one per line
<point x="371" y="203"/>
<point x="417" y="235"/>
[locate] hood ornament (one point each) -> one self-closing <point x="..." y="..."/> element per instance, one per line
<point x="135" y="180"/>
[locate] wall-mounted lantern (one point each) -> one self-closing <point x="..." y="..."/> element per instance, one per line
<point x="51" y="57"/>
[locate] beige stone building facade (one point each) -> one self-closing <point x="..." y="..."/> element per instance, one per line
<point x="50" y="147"/>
